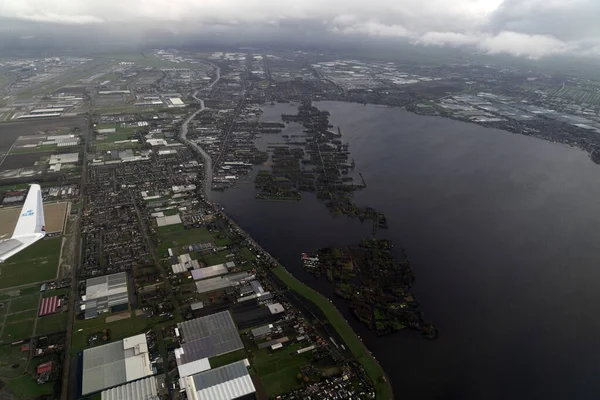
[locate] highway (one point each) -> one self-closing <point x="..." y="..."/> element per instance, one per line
<point x="208" y="172"/>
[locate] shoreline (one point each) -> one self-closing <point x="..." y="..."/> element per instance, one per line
<point x="359" y="350"/>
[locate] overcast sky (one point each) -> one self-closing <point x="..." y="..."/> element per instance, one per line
<point x="529" y="28"/>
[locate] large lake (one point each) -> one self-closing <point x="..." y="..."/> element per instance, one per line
<point x="503" y="232"/>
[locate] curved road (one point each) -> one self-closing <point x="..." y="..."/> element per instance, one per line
<point x="184" y="131"/>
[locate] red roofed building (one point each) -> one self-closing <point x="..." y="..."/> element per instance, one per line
<point x="49" y="305"/>
<point x="43" y="368"/>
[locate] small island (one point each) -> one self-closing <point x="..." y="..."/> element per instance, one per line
<point x="376" y="285"/>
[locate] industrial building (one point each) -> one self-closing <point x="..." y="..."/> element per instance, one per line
<point x="105" y="293"/>
<point x="228" y="382"/>
<point x="182" y="263"/>
<point x="209" y="272"/>
<point x="144" y="389"/>
<point x="115" y="363"/>
<point x="212" y="284"/>
<point x="168" y="220"/>
<point x="203" y="338"/>
<point x="66" y="158"/>
<point x="252" y="314"/>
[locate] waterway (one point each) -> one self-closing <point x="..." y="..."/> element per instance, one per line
<point x="503" y="232"/>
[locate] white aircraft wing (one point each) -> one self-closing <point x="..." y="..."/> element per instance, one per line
<point x="30" y="226"/>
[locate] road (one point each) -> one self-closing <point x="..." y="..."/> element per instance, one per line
<point x="66" y="391"/>
<point x="208" y="172"/>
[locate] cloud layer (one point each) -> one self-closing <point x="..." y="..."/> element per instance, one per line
<point x="529" y="28"/>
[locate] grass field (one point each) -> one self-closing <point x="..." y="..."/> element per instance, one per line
<point x="17" y="331"/>
<point x="181" y="238"/>
<point x="278" y="370"/>
<point x="170" y="229"/>
<point x="36" y="264"/>
<point x="224" y="359"/>
<point x="57" y="292"/>
<point x="51" y="323"/>
<point x="216" y="258"/>
<point x="25" y="388"/>
<point x="10" y="356"/>
<point x="118" y="329"/>
<point x="28" y="150"/>
<point x="23" y="303"/>
<point x="374" y="371"/>
<point x="54" y="217"/>
<point x="21" y="316"/>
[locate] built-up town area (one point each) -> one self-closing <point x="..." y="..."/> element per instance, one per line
<point x="143" y="288"/>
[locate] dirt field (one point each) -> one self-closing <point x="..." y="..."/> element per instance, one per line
<point x="10" y="131"/>
<point x="22" y="160"/>
<point x="54" y="214"/>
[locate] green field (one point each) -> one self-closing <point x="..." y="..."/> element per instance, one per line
<point x="51" y="323"/>
<point x="181" y="238"/>
<point x="36" y="264"/>
<point x="23" y="303"/>
<point x="248" y="254"/>
<point x="278" y="370"/>
<point x="11" y="356"/>
<point x="26" y="388"/>
<point x="118" y="329"/>
<point x="39" y="149"/>
<point x="224" y="359"/>
<point x="170" y="229"/>
<point x="215" y="258"/>
<point x="57" y="292"/>
<point x="357" y="348"/>
<point x="20" y="316"/>
<point x="17" y="331"/>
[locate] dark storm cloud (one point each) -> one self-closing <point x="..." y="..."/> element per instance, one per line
<point x="530" y="28"/>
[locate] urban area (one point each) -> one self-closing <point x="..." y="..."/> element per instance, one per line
<point x="143" y="287"/>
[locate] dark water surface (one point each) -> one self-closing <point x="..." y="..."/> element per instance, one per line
<point x="503" y="232"/>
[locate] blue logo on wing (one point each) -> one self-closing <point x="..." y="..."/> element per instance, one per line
<point x="27" y="213"/>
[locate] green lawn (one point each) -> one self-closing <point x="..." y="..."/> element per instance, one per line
<point x="185" y="237"/>
<point x="118" y="329"/>
<point x="115" y="137"/>
<point x="58" y="292"/>
<point x="373" y="369"/>
<point x="30" y="302"/>
<point x="51" y="323"/>
<point x="278" y="370"/>
<point x="12" y="355"/>
<point x="215" y="258"/>
<point x="223" y="242"/>
<point x="21" y="316"/>
<point x="40" y="149"/>
<point x="17" y="331"/>
<point x="248" y="254"/>
<point x="26" y="388"/>
<point x="104" y="146"/>
<point x="224" y="359"/>
<point x="36" y="264"/>
<point x="170" y="229"/>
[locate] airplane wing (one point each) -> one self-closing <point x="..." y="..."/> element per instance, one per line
<point x="30" y="226"/>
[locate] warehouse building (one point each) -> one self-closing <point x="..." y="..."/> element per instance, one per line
<point x="105" y="293"/>
<point x="66" y="158"/>
<point x="228" y="382"/>
<point x="218" y="283"/>
<point x="168" y="220"/>
<point x="144" y="389"/>
<point x="203" y="338"/>
<point x="182" y="263"/>
<point x="209" y="272"/>
<point x="115" y="363"/>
